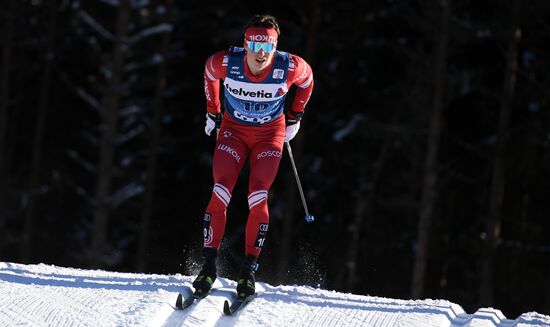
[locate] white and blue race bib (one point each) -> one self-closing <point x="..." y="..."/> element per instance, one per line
<point x="255" y="103"/>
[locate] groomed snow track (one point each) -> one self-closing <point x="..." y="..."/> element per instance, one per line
<point x="45" y="295"/>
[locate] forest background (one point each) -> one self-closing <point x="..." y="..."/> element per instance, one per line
<point x="424" y="152"/>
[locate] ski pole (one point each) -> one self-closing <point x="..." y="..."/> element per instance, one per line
<point x="309" y="218"/>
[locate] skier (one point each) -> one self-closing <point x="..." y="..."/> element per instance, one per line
<point x="254" y="125"/>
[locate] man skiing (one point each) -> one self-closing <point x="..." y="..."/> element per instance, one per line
<point x="253" y="126"/>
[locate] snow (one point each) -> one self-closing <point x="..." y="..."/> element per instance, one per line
<point x="46" y="295"/>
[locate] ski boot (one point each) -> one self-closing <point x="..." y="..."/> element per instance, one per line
<point x="207" y="275"/>
<point x="246" y="285"/>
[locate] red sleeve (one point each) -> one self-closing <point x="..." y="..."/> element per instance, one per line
<point x="300" y="74"/>
<point x="215" y="69"/>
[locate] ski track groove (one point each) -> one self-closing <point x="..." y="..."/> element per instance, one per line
<point x="54" y="306"/>
<point x="203" y="312"/>
<point x="4" y="321"/>
<point x="319" y="313"/>
<point x="324" y="318"/>
<point x="18" y="308"/>
<point x="57" y="305"/>
<point x="76" y="302"/>
<point x="13" y="311"/>
<point x="386" y="319"/>
<point x="324" y="314"/>
<point x="357" y="318"/>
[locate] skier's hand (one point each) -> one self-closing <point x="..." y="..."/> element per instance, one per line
<point x="213" y="121"/>
<point x="293" y="117"/>
<point x="291" y="131"/>
<point x="292" y="124"/>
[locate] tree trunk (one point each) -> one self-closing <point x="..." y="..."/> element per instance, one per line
<point x="289" y="218"/>
<point x="26" y="243"/>
<point x="494" y="217"/>
<point x="7" y="49"/>
<point x="430" y="167"/>
<point x="152" y="159"/>
<point x="363" y="208"/>
<point x="546" y="306"/>
<point x="108" y="131"/>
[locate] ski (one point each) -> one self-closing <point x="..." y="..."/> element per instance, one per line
<point x="230" y="308"/>
<point x="183" y="303"/>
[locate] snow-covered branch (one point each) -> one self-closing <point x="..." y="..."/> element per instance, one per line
<point x="155" y="59"/>
<point x="95" y="25"/>
<point x="130" y="134"/>
<point x="114" y="3"/>
<point x="340" y="134"/>
<point x="90" y="138"/>
<point x="161" y="28"/>
<point x="88" y="98"/>
<point x="126" y="192"/>
<point x="81" y="161"/>
<point x="139" y="3"/>
<point x="128" y="122"/>
<point x="131" y="110"/>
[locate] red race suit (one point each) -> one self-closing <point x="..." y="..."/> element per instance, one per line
<point x="253" y="128"/>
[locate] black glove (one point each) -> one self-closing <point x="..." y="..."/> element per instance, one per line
<point x="293" y="117"/>
<point x="213" y="121"/>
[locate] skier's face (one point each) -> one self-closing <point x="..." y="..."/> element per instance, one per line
<point x="259" y="60"/>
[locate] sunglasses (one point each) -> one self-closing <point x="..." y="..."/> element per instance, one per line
<point x="257" y="46"/>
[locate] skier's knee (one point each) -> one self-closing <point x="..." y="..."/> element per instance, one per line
<point x="222" y="193"/>
<point x="257" y="198"/>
